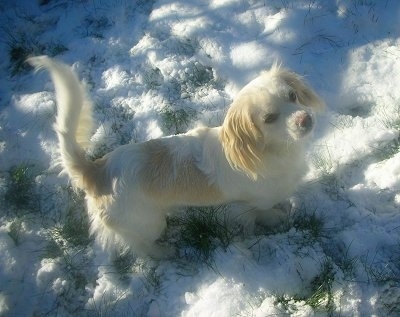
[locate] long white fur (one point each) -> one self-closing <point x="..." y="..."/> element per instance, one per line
<point x="130" y="190"/>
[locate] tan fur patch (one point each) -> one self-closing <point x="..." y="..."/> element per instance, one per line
<point x="175" y="183"/>
<point x="241" y="139"/>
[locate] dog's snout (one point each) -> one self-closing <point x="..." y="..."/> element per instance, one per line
<point x="301" y="123"/>
<point x="304" y="121"/>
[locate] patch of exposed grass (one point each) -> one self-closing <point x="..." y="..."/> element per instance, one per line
<point x="121" y="118"/>
<point x="95" y="26"/>
<point x="383" y="267"/>
<point x="20" y="192"/>
<point x="123" y="262"/>
<point x="117" y="129"/>
<point x="388" y="150"/>
<point x="176" y="120"/>
<point x="68" y="247"/>
<point x="202" y="230"/>
<point x="321" y="298"/>
<point x="150" y="277"/>
<point x="71" y="234"/>
<point x="20" y="47"/>
<point x="108" y="304"/>
<point x="182" y="46"/>
<point x="76" y="228"/>
<point x="198" y="75"/>
<point x="323" y="161"/>
<point x="65" y="237"/>
<point x="310" y="224"/>
<point x="389" y="300"/>
<point x="153" y="78"/>
<point x="347" y="264"/>
<point x="320" y="290"/>
<point x="286" y="303"/>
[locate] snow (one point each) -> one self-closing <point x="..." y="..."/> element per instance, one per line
<point x="145" y="60"/>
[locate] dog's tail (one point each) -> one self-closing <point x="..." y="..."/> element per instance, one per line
<point x="73" y="122"/>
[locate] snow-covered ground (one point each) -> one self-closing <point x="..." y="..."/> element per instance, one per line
<point x="160" y="67"/>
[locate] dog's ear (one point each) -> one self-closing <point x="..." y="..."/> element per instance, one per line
<point x="241" y="139"/>
<point x="305" y="95"/>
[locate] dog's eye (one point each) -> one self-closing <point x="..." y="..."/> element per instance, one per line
<point x="292" y="96"/>
<point x="271" y="117"/>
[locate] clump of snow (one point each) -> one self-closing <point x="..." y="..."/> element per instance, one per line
<point x="385" y="175"/>
<point x="248" y="55"/>
<point x="159" y="67"/>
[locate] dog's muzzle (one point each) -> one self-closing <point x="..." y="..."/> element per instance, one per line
<point x="304" y="121"/>
<point x="301" y="123"/>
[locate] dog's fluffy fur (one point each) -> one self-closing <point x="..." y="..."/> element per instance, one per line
<point x="255" y="157"/>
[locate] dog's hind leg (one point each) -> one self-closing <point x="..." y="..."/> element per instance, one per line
<point x="140" y="224"/>
<point x="145" y="235"/>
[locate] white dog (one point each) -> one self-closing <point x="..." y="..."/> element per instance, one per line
<point x="255" y="157"/>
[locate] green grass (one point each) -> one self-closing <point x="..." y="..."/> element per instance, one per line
<point x="63" y="243"/>
<point x="20" y="47"/>
<point x="192" y="83"/>
<point x="202" y="230"/>
<point x="320" y="293"/>
<point x="153" y="78"/>
<point x="286" y="303"/>
<point x="184" y="46"/>
<point x="22" y="37"/>
<point x="68" y="245"/>
<point x="388" y="150"/>
<point x="20" y="192"/>
<point x="71" y="233"/>
<point x="198" y="75"/>
<point x="127" y="265"/>
<point x="321" y="298"/>
<point x="323" y="161"/>
<point x="117" y="129"/>
<point x="95" y="26"/>
<point x="347" y="264"/>
<point x="383" y="266"/>
<point x="310" y="224"/>
<point x="109" y="303"/>
<point x="176" y="120"/>
<point x="148" y="275"/>
<point x="123" y="262"/>
<point x="75" y="228"/>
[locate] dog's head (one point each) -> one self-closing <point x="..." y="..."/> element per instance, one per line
<point x="270" y="113"/>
